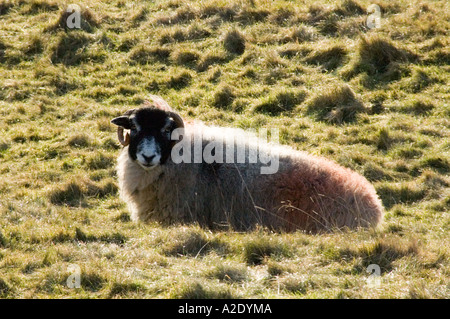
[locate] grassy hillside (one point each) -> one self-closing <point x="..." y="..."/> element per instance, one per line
<point x="375" y="100"/>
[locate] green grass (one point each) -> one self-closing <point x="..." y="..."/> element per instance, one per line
<point x="375" y="101"/>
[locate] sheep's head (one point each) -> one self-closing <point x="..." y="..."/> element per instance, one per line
<point x="149" y="137"/>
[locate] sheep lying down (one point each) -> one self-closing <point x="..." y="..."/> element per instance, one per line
<point x="172" y="172"/>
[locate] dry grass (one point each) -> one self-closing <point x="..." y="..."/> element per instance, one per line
<point x="337" y="105"/>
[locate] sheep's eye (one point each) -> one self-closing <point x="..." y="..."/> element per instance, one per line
<point x="166" y="130"/>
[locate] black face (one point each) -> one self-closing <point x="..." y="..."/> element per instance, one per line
<point x="150" y="131"/>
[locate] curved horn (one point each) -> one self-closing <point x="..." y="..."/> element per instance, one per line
<point x="177" y="118"/>
<point x="124" y="141"/>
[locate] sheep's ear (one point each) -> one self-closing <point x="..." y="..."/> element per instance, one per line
<point x="122" y="121"/>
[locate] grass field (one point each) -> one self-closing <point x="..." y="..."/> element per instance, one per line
<point x="375" y="100"/>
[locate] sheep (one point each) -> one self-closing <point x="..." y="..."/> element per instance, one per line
<point x="306" y="193"/>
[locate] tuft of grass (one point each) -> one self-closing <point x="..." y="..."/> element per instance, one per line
<point x="294" y="50"/>
<point x="143" y="54"/>
<point x="50" y="257"/>
<point x="124" y="218"/>
<point x="61" y="237"/>
<point x="381" y="251"/>
<point x="3" y="240"/>
<point x="409" y="152"/>
<point x="186" y="57"/>
<point x="349" y="8"/>
<point x="180" y="80"/>
<point x="71" y="194"/>
<point x="433" y="180"/>
<point x="223" y="97"/>
<point x="280" y="102"/>
<point x="257" y="250"/>
<point x="192" y="33"/>
<point x="225" y="13"/>
<point x="127" y="43"/>
<point x="385" y="252"/>
<point x="5" y="6"/>
<point x="374" y="173"/>
<point x="234" y="42"/>
<point x="2" y="51"/>
<point x="317" y="13"/>
<point x="191" y="242"/>
<point x="329" y="58"/>
<point x="328" y="26"/>
<point x="39" y="6"/>
<point x="5" y="288"/>
<point x="229" y="273"/>
<point x="383" y="139"/>
<point x="114" y="238"/>
<point x="181" y="15"/>
<point x="92" y="281"/>
<point x="275" y="269"/>
<point x="418" y="107"/>
<point x="282" y="16"/>
<point x="440" y="56"/>
<point x="211" y="58"/>
<point x="337" y="105"/>
<point x="76" y="192"/>
<point x="122" y="289"/>
<point x="419" y="80"/>
<point x="400" y="193"/>
<point x="377" y="55"/>
<point x="79" y="141"/>
<point x="140" y="15"/>
<point x="100" y="161"/>
<point x="437" y="162"/>
<point x="302" y="33"/>
<point x="197" y="290"/>
<point x="70" y="48"/>
<point x="88" y="21"/>
<point x="34" y="45"/>
<point x="296" y="285"/>
<point x="251" y="15"/>
<point x="30" y="267"/>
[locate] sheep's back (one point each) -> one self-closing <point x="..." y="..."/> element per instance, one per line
<point x="316" y="194"/>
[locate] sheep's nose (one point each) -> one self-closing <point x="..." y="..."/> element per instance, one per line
<point x="148" y="159"/>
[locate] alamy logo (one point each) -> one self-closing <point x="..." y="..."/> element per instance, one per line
<point x="374" y="279"/>
<point x="74" y="19"/>
<point x="374" y="19"/>
<point x="74" y="280"/>
<point x="228" y="147"/>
